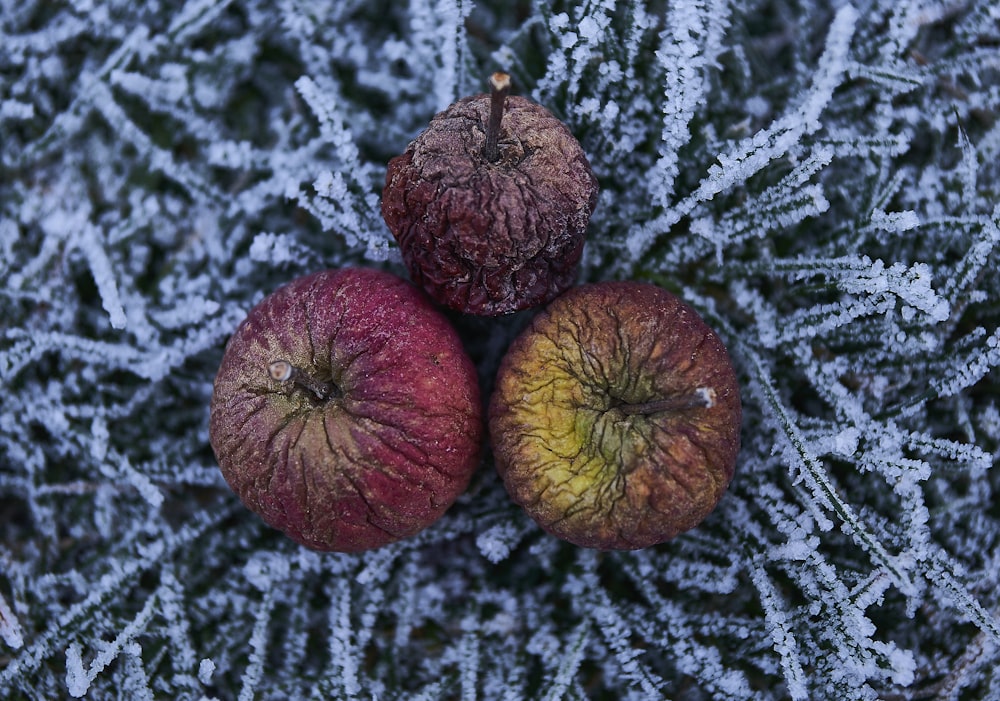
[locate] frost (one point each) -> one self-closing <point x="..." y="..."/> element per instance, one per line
<point x="818" y="179"/>
<point x="903" y="666"/>
<point x="10" y="628"/>
<point x="77" y="683"/>
<point x="258" y="649"/>
<point x="205" y="670"/>
<point x="685" y="64"/>
<point x="783" y="639"/>
<point x="895" y="222"/>
<point x="16" y="110"/>
<point x="707" y="395"/>
<point x="589" y="29"/>
<point x="496" y="543"/>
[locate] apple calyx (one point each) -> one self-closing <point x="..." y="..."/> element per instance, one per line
<point x="290" y="376"/>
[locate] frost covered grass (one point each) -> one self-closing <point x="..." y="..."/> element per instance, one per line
<point x="819" y="179"/>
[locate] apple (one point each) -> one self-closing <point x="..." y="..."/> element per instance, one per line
<point x="490" y="204"/>
<point x="615" y="419"/>
<point x="346" y="412"/>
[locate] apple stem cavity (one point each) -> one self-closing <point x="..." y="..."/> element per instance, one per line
<point x="287" y="374"/>
<point x="499" y="88"/>
<point x="702" y="397"/>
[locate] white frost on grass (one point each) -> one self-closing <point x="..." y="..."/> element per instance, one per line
<point x="819" y="182"/>
<point x="206" y="668"/>
<point x="685" y="65"/>
<point x="783" y="638"/>
<point x="753" y="154"/>
<point x="10" y="627"/>
<point x="497" y="542"/>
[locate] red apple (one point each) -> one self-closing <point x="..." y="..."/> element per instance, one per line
<point x="346" y="412"/>
<point x="615" y="420"/>
<point x="490" y="204"/>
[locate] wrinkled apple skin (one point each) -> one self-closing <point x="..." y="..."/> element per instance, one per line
<point x="579" y="465"/>
<point x="491" y="238"/>
<point x="382" y="458"/>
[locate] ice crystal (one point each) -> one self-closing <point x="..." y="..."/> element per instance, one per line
<point x="818" y="179"/>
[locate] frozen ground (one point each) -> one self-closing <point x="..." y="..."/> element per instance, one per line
<point x="819" y="179"/>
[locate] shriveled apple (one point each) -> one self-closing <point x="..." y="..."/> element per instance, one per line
<point x="490" y="204"/>
<point x="615" y="421"/>
<point x="346" y="412"/>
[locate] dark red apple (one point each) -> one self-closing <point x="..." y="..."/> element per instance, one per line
<point x="615" y="421"/>
<point x="490" y="204"/>
<point x="346" y="412"/>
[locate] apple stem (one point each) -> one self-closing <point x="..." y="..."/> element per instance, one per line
<point x="499" y="87"/>
<point x="287" y="374"/>
<point x="701" y="397"/>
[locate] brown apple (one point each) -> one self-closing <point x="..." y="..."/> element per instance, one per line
<point x="346" y="412"/>
<point x="615" y="420"/>
<point x="490" y="204"/>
